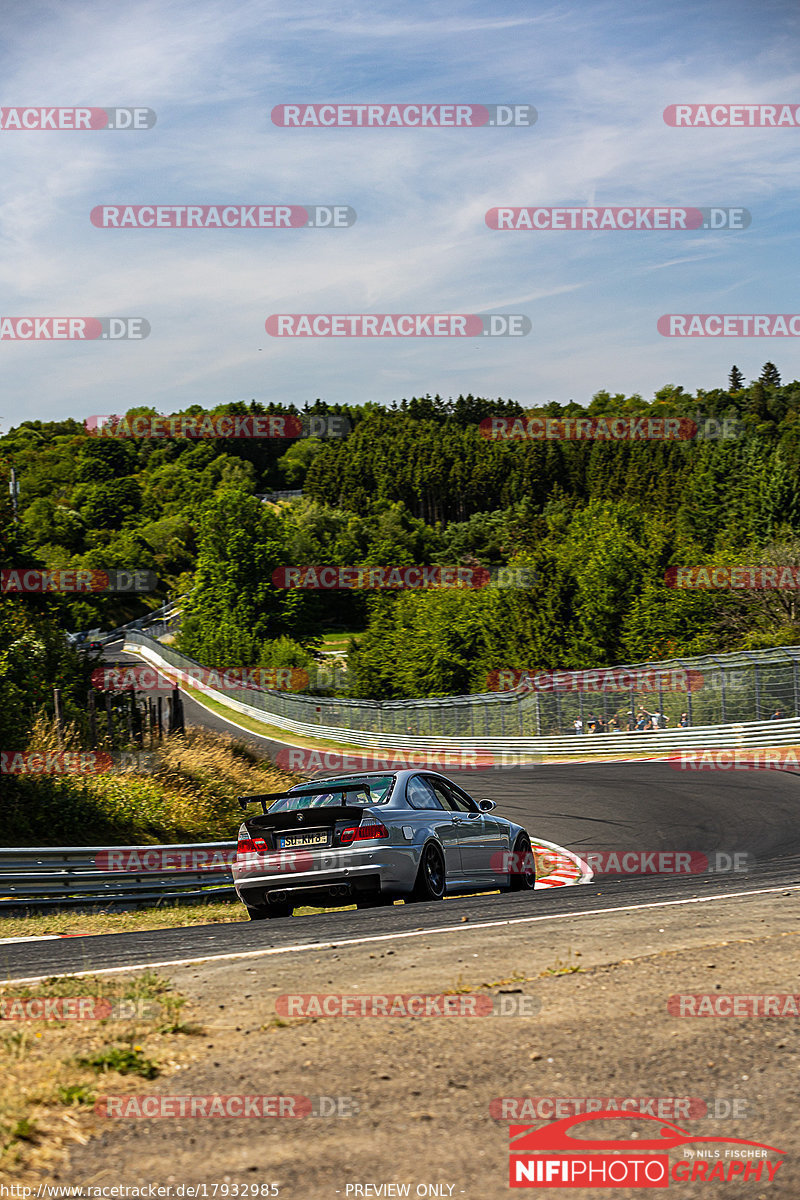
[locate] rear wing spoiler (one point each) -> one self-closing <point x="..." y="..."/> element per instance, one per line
<point x="265" y="799"/>
<point x="262" y="798"/>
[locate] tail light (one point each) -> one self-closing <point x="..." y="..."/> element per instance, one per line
<point x="251" y="846"/>
<point x="365" y="832"/>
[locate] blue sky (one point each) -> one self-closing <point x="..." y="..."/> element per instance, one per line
<point x="599" y="74"/>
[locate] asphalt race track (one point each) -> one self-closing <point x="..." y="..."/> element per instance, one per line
<point x="598" y="807"/>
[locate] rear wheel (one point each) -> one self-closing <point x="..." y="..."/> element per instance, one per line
<point x="430" y="881"/>
<point x="523" y="879"/>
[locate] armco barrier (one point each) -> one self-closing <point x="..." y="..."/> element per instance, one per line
<point x="266" y="706"/>
<point x="68" y="876"/>
<point x="42" y="878"/>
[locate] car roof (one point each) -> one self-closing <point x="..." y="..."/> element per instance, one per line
<point x="357" y="776"/>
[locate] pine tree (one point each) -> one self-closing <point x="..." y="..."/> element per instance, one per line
<point x="770" y="375"/>
<point x="735" y="379"/>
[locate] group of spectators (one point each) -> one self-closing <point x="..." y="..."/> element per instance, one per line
<point x="631" y="722"/>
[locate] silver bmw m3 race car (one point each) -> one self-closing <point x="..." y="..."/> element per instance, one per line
<point x="372" y="839"/>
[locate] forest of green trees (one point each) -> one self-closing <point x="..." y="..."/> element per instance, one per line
<point x="598" y="523"/>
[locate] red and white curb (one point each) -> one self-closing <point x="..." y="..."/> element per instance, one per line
<point x="569" y="870"/>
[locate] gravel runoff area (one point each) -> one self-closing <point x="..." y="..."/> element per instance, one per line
<point x="423" y="1087"/>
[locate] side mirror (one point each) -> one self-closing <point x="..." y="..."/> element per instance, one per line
<point x="486" y="805"/>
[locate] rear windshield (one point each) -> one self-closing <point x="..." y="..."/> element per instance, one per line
<point x="331" y="793"/>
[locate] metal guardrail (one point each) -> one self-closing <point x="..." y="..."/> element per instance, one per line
<point x="274" y="497"/>
<point x="365" y="723"/>
<point x="72" y="876"/>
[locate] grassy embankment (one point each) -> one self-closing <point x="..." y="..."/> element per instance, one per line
<point x="188" y="796"/>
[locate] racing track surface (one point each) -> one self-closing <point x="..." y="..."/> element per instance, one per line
<point x="584" y="807"/>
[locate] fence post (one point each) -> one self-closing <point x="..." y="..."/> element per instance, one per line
<point x="59" y="717"/>
<point x="756" y="683"/>
<point x="175" y="712"/>
<point x="109" y="719"/>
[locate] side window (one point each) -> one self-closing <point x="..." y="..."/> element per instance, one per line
<point x="451" y="798"/>
<point x="420" y="794"/>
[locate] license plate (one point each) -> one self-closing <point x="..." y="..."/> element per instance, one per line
<point x="285" y="841"/>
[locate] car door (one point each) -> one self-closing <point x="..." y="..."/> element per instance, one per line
<point x="470" y="826"/>
<point x="426" y="808"/>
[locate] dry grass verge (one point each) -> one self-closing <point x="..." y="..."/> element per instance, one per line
<point x="99" y="1036"/>
<point x="188" y="794"/>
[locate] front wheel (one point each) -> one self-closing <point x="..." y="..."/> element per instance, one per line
<point x="523" y="870"/>
<point x="430" y="881"/>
